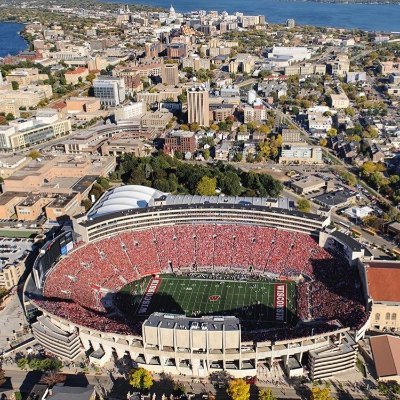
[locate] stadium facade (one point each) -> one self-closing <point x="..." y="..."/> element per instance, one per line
<point x="134" y="231"/>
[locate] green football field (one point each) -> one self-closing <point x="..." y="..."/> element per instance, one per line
<point x="248" y="300"/>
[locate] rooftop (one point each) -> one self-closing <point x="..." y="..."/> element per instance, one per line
<point x="386" y="354"/>
<point x="383" y="281"/>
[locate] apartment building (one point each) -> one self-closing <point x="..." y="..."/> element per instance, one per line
<point x="339" y="101"/>
<point x="170" y="74"/>
<point x="255" y="113"/>
<point x="196" y="62"/>
<point x="198" y="105"/>
<point x="242" y="63"/>
<point x="181" y="141"/>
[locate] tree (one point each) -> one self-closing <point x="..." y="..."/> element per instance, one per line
<point x="230" y="184"/>
<point x="206" y="154"/>
<point x="250" y="157"/>
<point x="348" y="178"/>
<point x="243" y="128"/>
<point x="238" y="389"/>
<point x="22" y="363"/>
<point x="390" y="389"/>
<point x="34" y="154"/>
<point x="15" y="85"/>
<point x="265" y="148"/>
<point x="303" y="205"/>
<point x="194" y="127"/>
<point x="266" y="394"/>
<point x="179" y="389"/>
<point x="206" y="186"/>
<point x="265" y="129"/>
<point x="331" y="132"/>
<point x="323" y="142"/>
<point x="237" y="157"/>
<point x="103" y="182"/>
<point x="10" y="117"/>
<point x="90" y="78"/>
<point x="86" y="203"/>
<point x="321" y="393"/>
<point x="141" y="379"/>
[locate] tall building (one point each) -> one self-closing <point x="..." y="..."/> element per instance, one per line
<point x="290" y="23"/>
<point x="170" y="74"/>
<point x="198" y="105"/>
<point x="110" y="90"/>
<point x="177" y="50"/>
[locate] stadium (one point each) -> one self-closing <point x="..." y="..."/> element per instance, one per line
<point x="194" y="285"/>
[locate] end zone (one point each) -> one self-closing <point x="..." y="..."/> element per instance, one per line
<point x="280" y="300"/>
<point x="151" y="289"/>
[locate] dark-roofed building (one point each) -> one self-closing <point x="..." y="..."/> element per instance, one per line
<point x="338" y="198"/>
<point x="386" y="355"/>
<point x="63" y="392"/>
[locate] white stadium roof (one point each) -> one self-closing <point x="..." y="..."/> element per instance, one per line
<point x="124" y="198"/>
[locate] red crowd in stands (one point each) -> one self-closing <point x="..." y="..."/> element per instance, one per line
<point x="81" y="281"/>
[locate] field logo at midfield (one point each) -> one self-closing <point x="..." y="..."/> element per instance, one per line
<point x="280" y="302"/>
<point x="151" y="289"/>
<point x="214" y="297"/>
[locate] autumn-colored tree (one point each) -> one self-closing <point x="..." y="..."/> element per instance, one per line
<point x="238" y="389"/>
<point x="321" y="393"/>
<point x="194" y="127"/>
<point x="265" y="148"/>
<point x="265" y="129"/>
<point x="303" y="205"/>
<point x="206" y="186"/>
<point x="331" y="132"/>
<point x="141" y="379"/>
<point x="34" y="154"/>
<point x="266" y="394"/>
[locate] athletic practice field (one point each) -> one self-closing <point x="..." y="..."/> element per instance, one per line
<point x="248" y="300"/>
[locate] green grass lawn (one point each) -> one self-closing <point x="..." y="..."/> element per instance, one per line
<point x="248" y="300"/>
<point x="18" y="233"/>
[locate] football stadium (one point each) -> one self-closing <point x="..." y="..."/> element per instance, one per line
<point x="194" y="285"/>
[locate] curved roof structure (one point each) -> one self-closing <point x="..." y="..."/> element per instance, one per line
<point x="124" y="198"/>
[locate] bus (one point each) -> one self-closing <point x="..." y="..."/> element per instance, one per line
<point x="370" y="231"/>
<point x="355" y="231"/>
<point x="396" y="252"/>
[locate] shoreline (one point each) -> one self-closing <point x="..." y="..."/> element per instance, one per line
<point x="336" y="14"/>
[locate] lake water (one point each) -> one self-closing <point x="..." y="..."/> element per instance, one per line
<point x="371" y="17"/>
<point x="10" y="41"/>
